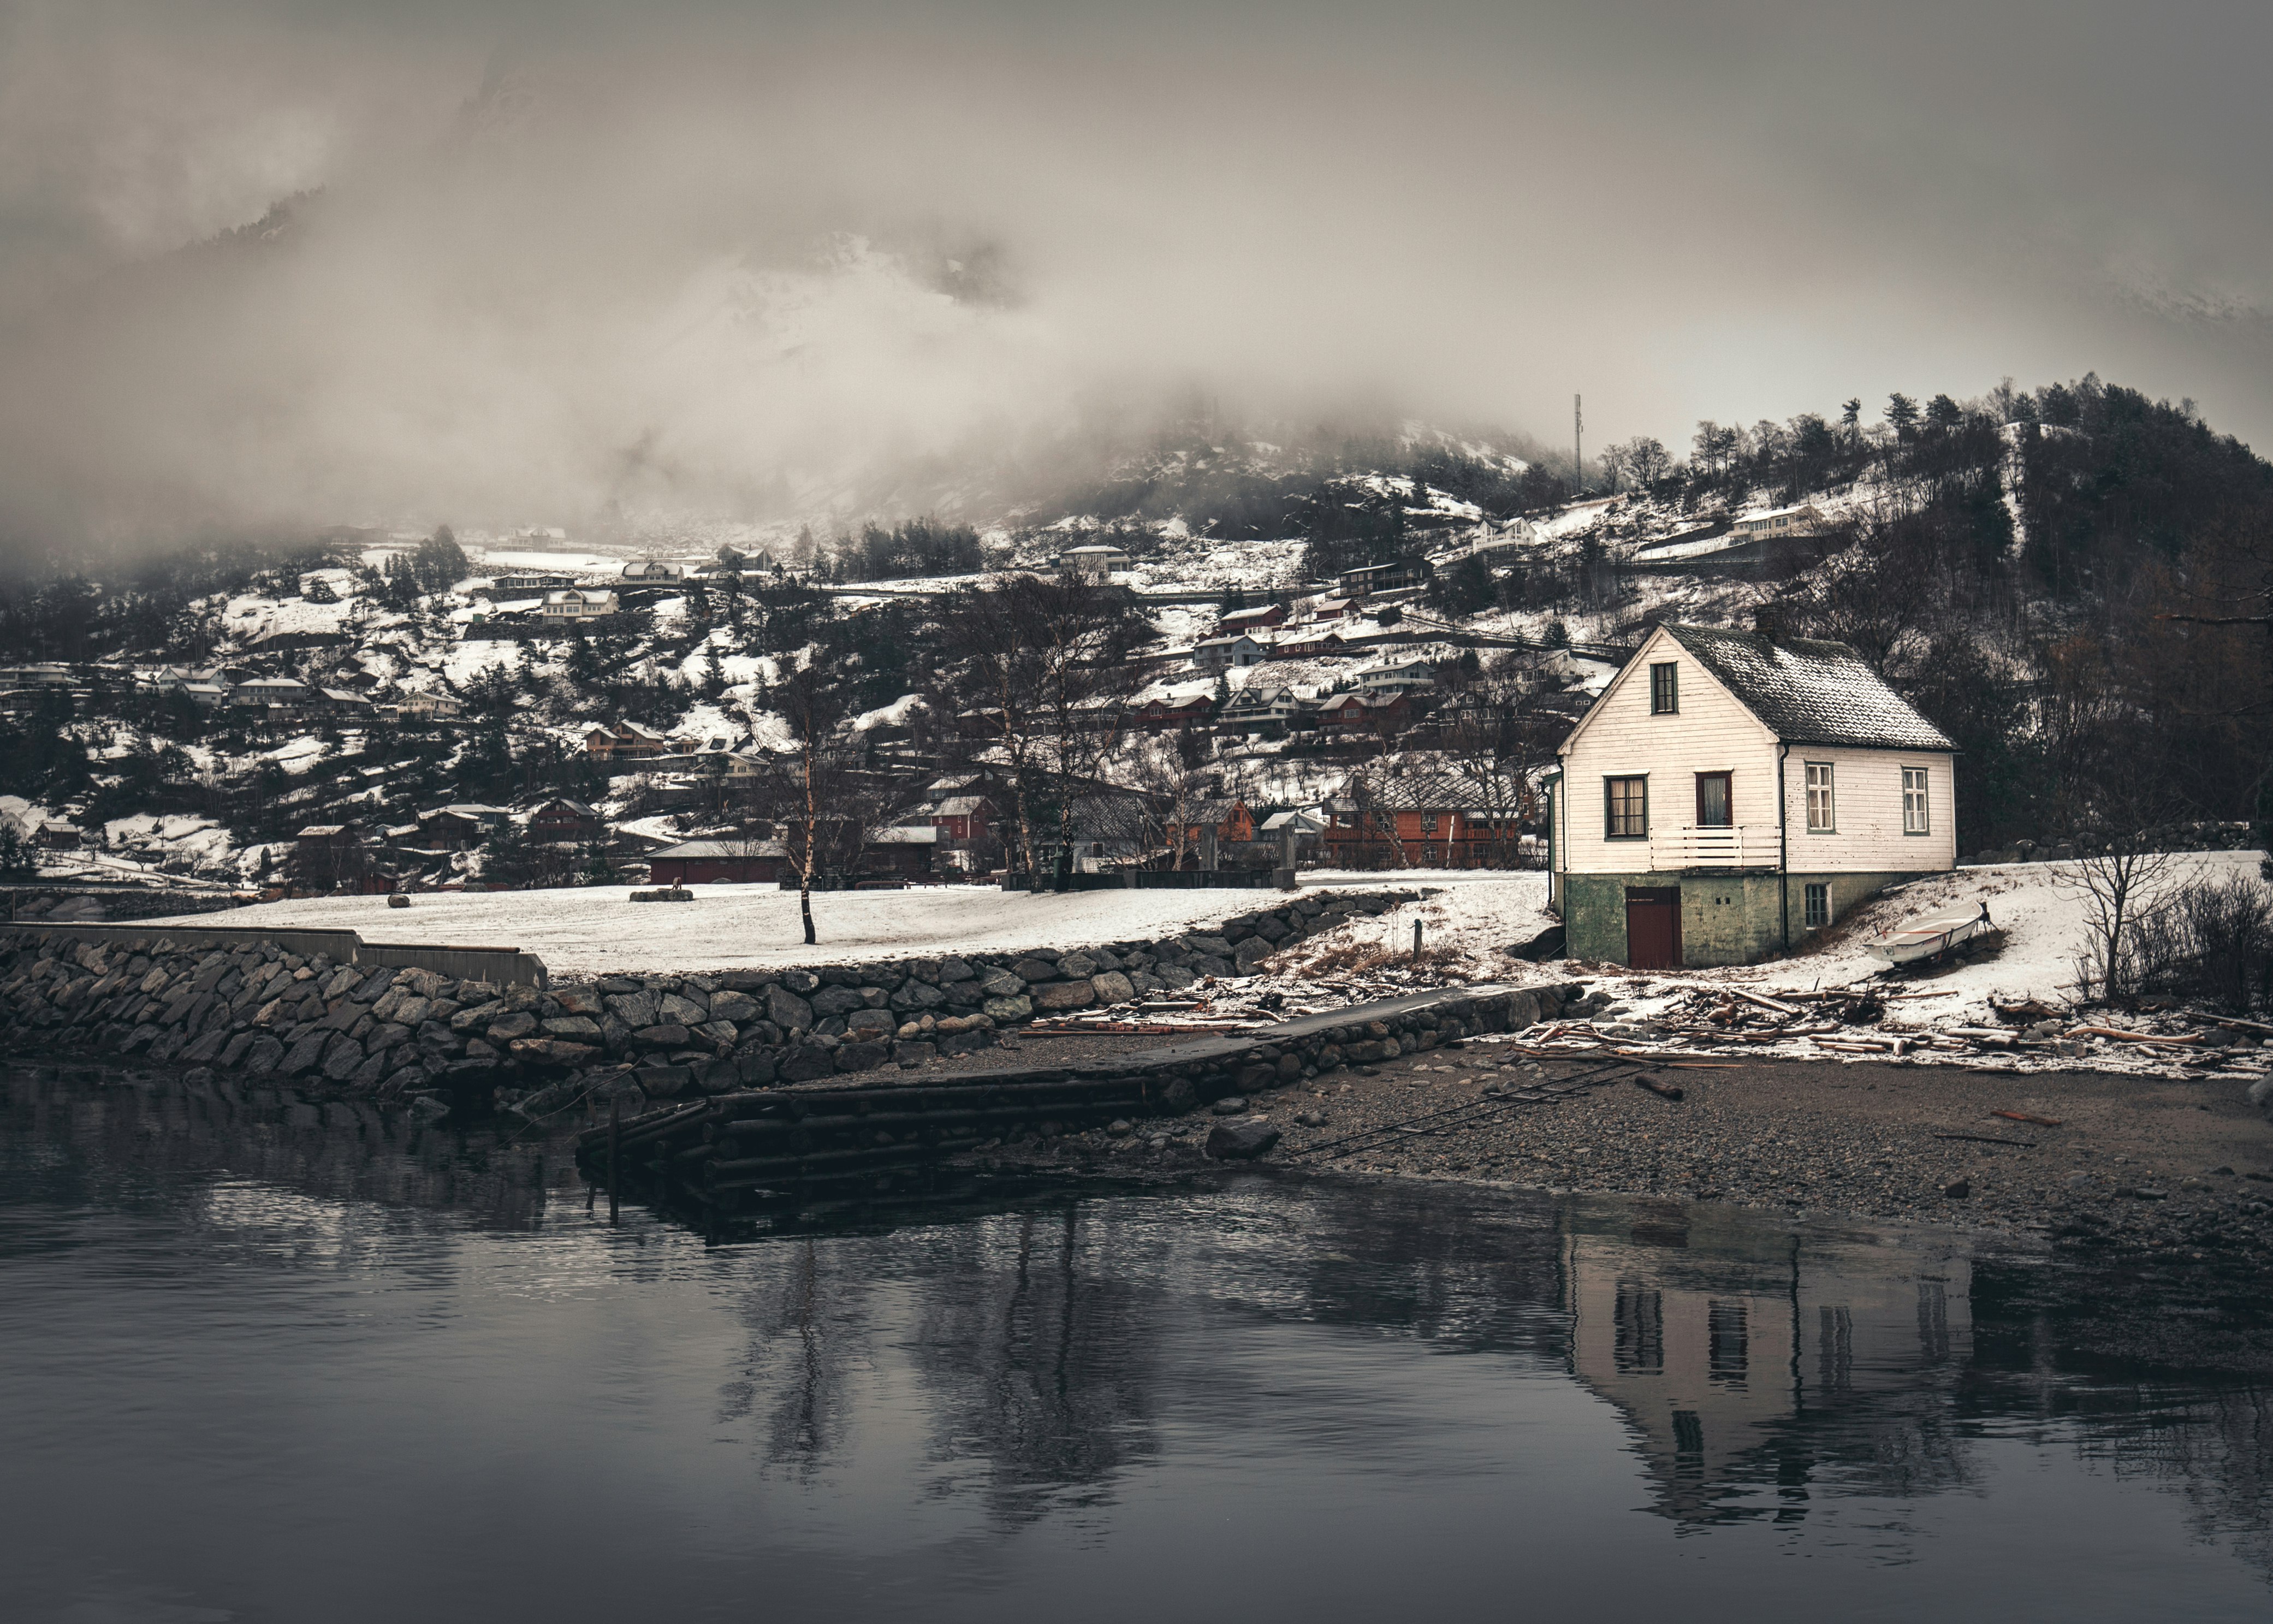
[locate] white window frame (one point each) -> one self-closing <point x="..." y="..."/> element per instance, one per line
<point x="1822" y="798"/>
<point x="1917" y="814"/>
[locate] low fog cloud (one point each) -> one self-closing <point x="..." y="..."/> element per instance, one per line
<point x="295" y="263"/>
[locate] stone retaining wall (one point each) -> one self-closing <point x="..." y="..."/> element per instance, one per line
<point x="415" y="1034"/>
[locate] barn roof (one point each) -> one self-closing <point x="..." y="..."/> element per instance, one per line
<point x="1809" y="692"/>
<point x="730" y="850"/>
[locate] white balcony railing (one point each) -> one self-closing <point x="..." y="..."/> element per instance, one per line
<point x="1739" y="846"/>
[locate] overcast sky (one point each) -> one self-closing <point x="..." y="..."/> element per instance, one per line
<point x="750" y="259"/>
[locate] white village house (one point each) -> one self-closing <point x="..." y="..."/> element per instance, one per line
<point x="578" y="605"/>
<point x="1731" y="792"/>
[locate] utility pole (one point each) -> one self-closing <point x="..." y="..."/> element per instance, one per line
<point x="1578" y="449"/>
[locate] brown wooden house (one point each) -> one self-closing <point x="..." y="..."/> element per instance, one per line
<point x="1229" y="818"/>
<point x="563" y="822"/>
<point x="730" y="861"/>
<point x="624" y="741"/>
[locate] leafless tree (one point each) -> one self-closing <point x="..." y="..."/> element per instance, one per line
<point x="820" y="804"/>
<point x="1036" y="667"/>
<point x="2120" y="871"/>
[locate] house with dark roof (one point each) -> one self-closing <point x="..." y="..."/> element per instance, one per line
<point x="1731" y="792"/>
<point x="1396" y="815"/>
<point x="563" y="822"/>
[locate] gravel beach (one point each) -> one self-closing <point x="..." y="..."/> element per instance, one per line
<point x="2182" y="1167"/>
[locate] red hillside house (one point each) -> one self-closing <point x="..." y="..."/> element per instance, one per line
<point x="1237" y="621"/>
<point x="1429" y="820"/>
<point x="1158" y="714"/>
<point x="1351" y="713"/>
<point x="963" y="817"/>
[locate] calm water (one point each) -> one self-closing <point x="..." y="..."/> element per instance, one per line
<point x="265" y="1361"/>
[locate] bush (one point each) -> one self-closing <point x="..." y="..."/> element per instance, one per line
<point x="2209" y="939"/>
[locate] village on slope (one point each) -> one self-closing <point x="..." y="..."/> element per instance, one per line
<point x="455" y="724"/>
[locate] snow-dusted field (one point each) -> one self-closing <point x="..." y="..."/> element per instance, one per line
<point x="595" y="930"/>
<point x="2039" y="907"/>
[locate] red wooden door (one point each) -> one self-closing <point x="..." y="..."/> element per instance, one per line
<point x="1653" y="927"/>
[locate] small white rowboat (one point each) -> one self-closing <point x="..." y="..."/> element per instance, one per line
<point x="1930" y="934"/>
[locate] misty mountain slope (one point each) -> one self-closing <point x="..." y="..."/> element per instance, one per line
<point x="2064" y="581"/>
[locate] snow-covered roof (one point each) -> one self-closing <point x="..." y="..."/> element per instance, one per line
<point x="902" y="835"/>
<point x="1808" y="692"/>
<point x="959" y="805"/>
<point x="1429" y="791"/>
<point x="720" y="848"/>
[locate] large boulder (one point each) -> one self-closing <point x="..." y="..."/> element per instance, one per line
<point x="1000" y="984"/>
<point x="660" y="1037"/>
<point x="914" y="994"/>
<point x="676" y="1009"/>
<point x="1112" y="987"/>
<point x="1032" y="970"/>
<point x="342" y="1060"/>
<point x="1064" y="995"/>
<point x="1007" y="1011"/>
<point x="1076" y="966"/>
<point x="862" y="1056"/>
<point x="786" y="1009"/>
<point x="660" y="1082"/>
<point x="738" y="1007"/>
<point x="1251" y="952"/>
<point x="306" y="1053"/>
<point x="1241" y="1141"/>
<point x="801" y="1066"/>
<point x="504" y="1028"/>
<point x="871" y="1022"/>
<point x="837" y="1001"/>
<point x="755" y="1068"/>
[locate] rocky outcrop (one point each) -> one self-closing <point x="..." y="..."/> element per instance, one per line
<point x="408" y="1033"/>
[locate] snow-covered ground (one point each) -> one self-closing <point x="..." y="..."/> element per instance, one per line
<point x="595" y="930"/>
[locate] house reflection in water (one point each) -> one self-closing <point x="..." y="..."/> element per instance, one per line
<point x="1753" y="1362"/>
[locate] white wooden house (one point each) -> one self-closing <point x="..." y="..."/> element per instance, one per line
<point x="1731" y="792"/>
<point x="578" y="605"/>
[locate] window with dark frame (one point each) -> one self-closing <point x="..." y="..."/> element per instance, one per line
<point x="1626" y="808"/>
<point x="1715" y="802"/>
<point x="1819" y="906"/>
<point x="1665" y="689"/>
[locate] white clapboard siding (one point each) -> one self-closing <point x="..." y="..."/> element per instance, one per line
<point x="1867" y="788"/>
<point x="1713" y="732"/>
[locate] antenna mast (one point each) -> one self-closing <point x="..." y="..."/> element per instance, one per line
<point x="1578" y="448"/>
